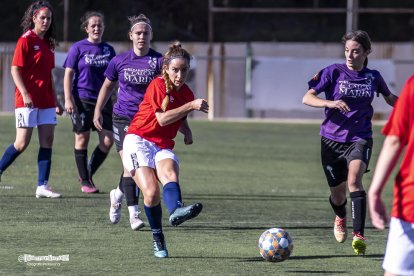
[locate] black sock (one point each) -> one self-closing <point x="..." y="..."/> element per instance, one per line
<point x="81" y="158"/>
<point x="359" y="209"/>
<point x="340" y="210"/>
<point x="120" y="186"/>
<point x="96" y="161"/>
<point x="130" y="191"/>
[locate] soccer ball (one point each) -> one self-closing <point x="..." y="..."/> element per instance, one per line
<point x="275" y="245"/>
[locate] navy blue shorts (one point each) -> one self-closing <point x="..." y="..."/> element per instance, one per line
<point x="336" y="157"/>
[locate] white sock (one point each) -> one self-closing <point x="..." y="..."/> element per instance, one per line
<point x="132" y="210"/>
<point x="119" y="195"/>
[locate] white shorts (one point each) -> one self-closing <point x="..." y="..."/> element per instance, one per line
<point x="139" y="152"/>
<point x="33" y="117"/>
<point x="399" y="254"/>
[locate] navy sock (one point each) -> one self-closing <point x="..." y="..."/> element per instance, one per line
<point x="131" y="191"/>
<point x="96" y="161"/>
<point x="340" y="210"/>
<point x="81" y="159"/>
<point x="171" y="195"/>
<point x="9" y="155"/>
<point x="44" y="162"/>
<point x="154" y="216"/>
<point x="359" y="210"/>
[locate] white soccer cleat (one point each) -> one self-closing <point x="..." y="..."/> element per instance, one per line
<point x="340" y="230"/>
<point x="136" y="222"/>
<point x="46" y="191"/>
<point x="115" y="209"/>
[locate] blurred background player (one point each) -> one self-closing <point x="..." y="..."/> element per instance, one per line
<point x="346" y="142"/>
<point x="84" y="75"/>
<point x="133" y="70"/>
<point x="399" y="253"/>
<point x="36" y="103"/>
<point x="148" y="154"/>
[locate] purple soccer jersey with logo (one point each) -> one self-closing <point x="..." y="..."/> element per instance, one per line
<point x="357" y="90"/>
<point x="133" y="73"/>
<point x="89" y="62"/>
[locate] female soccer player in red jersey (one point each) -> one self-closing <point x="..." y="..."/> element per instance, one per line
<point x="399" y="254"/>
<point x="148" y="146"/>
<point x="346" y="132"/>
<point x="36" y="103"/>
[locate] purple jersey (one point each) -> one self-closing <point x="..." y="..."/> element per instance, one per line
<point x="357" y="90"/>
<point x="89" y="61"/>
<point x="133" y="73"/>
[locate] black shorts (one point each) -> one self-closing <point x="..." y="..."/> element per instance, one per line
<point x="119" y="127"/>
<point x="337" y="156"/>
<point x="82" y="119"/>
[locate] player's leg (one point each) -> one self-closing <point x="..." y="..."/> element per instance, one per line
<point x="23" y="136"/>
<point x="26" y="119"/>
<point x="138" y="160"/>
<point x="106" y="138"/>
<point x="335" y="169"/>
<point x="358" y="156"/>
<point x="117" y="195"/>
<point x="167" y="167"/>
<point x="81" y="159"/>
<point x="82" y="122"/>
<point x="101" y="152"/>
<point x="128" y="189"/>
<point x="338" y="202"/>
<point x="46" y="131"/>
<point x="358" y="204"/>
<point x="131" y="192"/>
<point x="148" y="184"/>
<point x="126" y="186"/>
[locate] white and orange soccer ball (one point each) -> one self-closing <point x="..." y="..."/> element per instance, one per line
<point x="275" y="245"/>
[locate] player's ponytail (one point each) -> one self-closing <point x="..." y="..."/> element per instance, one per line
<point x="169" y="86"/>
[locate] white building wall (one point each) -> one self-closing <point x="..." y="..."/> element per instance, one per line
<point x="278" y="76"/>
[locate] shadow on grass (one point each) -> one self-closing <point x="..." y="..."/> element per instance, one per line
<point x="255" y="197"/>
<point x="241" y="228"/>
<point x="259" y="259"/>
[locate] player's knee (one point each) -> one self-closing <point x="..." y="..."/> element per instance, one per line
<point x="20" y="146"/>
<point x="168" y="176"/>
<point x="338" y="199"/>
<point x="151" y="197"/>
<point x="355" y="184"/>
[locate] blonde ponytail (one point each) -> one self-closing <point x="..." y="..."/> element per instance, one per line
<point x="168" y="86"/>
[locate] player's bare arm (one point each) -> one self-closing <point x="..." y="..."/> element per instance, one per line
<point x="387" y="160"/>
<point x="18" y="81"/>
<point x="67" y="89"/>
<point x="313" y="100"/>
<point x="391" y="99"/>
<point x="186" y="131"/>
<point x="173" y="115"/>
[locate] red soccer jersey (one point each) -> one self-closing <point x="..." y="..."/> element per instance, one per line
<point x="145" y="123"/>
<point x="401" y="124"/>
<point x="36" y="60"/>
